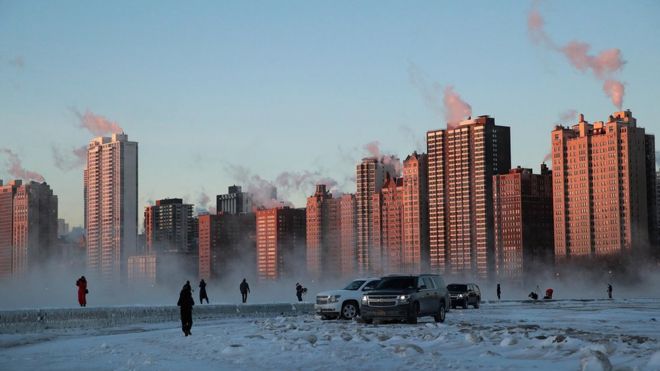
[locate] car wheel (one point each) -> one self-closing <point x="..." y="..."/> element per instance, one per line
<point x="442" y="312"/>
<point x="412" y="315"/>
<point x="476" y="304"/>
<point x="349" y="310"/>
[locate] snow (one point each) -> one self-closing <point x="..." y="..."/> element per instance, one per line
<point x="570" y="334"/>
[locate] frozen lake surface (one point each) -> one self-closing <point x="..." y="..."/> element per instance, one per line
<point x="559" y="335"/>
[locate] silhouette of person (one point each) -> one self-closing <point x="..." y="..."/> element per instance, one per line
<point x="299" y="291"/>
<point x="499" y="292"/>
<point x="186" y="303"/>
<point x="245" y="290"/>
<point x="609" y="290"/>
<point x="82" y="291"/>
<point x="202" y="292"/>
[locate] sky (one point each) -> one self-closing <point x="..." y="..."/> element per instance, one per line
<point x="225" y="92"/>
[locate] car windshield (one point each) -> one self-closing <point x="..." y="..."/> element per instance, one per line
<point x="455" y="287"/>
<point x="354" y="285"/>
<point x="397" y="283"/>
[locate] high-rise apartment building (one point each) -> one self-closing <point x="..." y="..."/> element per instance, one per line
<point x="7" y="193"/>
<point x="62" y="228"/>
<point x="524" y="241"/>
<point x="461" y="165"/>
<point x="111" y="210"/>
<point x="657" y="203"/>
<point x="348" y="235"/>
<point x="387" y="218"/>
<point x="323" y="234"/>
<point x="28" y="226"/>
<point x="415" y="252"/>
<point x="651" y="187"/>
<point x="168" y="226"/>
<point x="600" y="188"/>
<point x="370" y="175"/>
<point x="280" y="242"/>
<point x="227" y="244"/>
<point x="234" y="202"/>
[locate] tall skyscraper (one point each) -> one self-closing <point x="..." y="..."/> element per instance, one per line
<point x="280" y="242"/>
<point x="28" y="226"/>
<point x="657" y="203"/>
<point x="323" y="234"/>
<point x="524" y="241"/>
<point x="462" y="162"/>
<point x="651" y="187"/>
<point x="600" y="187"/>
<point x="234" y="202"/>
<point x="387" y="218"/>
<point x="415" y="253"/>
<point x="168" y="226"/>
<point x="111" y="210"/>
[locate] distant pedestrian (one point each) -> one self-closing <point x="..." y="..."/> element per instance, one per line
<point x="245" y="290"/>
<point x="186" y="303"/>
<point x="299" y="291"/>
<point x="202" y="292"/>
<point x="609" y="290"/>
<point x="82" y="291"/>
<point x="499" y="292"/>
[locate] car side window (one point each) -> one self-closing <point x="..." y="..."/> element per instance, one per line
<point x="370" y="286"/>
<point x="421" y="284"/>
<point x="429" y="283"/>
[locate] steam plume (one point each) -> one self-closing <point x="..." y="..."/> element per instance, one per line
<point x="392" y="163"/>
<point x="568" y="115"/>
<point x="203" y="204"/>
<point x="430" y="91"/>
<point x="547" y="158"/>
<point x="15" y="169"/>
<point x="97" y="124"/>
<point x="77" y="158"/>
<point x="615" y="90"/>
<point x="456" y="109"/>
<point x="603" y="65"/>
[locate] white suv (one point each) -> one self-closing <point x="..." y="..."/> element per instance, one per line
<point x="344" y="303"/>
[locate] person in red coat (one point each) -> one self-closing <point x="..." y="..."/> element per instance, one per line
<point x="82" y="291"/>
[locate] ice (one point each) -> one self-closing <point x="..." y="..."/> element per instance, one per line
<point x="571" y="335"/>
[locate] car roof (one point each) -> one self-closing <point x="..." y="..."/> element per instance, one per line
<point x="366" y="278"/>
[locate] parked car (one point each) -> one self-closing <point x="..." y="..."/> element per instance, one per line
<point x="464" y="294"/>
<point x="406" y="298"/>
<point x="344" y="303"/>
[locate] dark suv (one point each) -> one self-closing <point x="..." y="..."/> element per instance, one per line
<point x="406" y="298"/>
<point x="464" y="294"/>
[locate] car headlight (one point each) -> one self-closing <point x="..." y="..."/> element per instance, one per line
<point x="460" y="295"/>
<point x="403" y="299"/>
<point x="333" y="298"/>
<point x="365" y="299"/>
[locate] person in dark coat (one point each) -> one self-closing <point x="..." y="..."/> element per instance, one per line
<point x="82" y="291"/>
<point x="299" y="291"/>
<point x="609" y="290"/>
<point x="186" y="303"/>
<point x="245" y="290"/>
<point x="202" y="292"/>
<point x="499" y="292"/>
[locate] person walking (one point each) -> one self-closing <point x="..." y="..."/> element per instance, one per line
<point x="499" y="292"/>
<point x="202" y="292"/>
<point x="82" y="291"/>
<point x="245" y="290"/>
<point x="299" y="291"/>
<point x="186" y="303"/>
<point x="609" y="290"/>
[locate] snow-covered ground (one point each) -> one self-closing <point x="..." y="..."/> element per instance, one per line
<point x="560" y="335"/>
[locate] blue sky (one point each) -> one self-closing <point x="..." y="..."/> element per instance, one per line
<point x="296" y="86"/>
